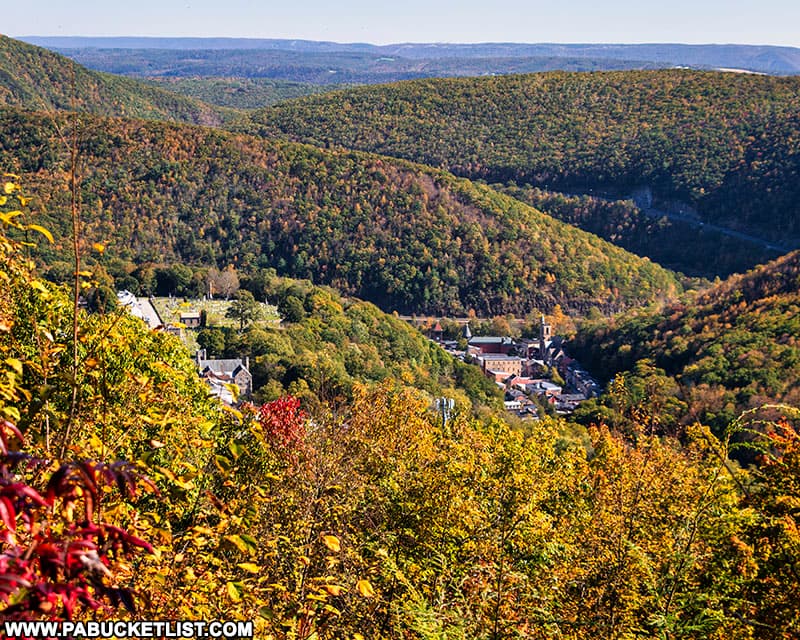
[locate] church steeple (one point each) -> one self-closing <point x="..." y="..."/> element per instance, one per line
<point x="545" y="335"/>
<point x="467" y="333"/>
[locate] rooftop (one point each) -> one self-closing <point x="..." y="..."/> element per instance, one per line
<point x="221" y="366"/>
<point x="490" y="340"/>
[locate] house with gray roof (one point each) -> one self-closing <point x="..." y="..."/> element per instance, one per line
<point x="219" y="372"/>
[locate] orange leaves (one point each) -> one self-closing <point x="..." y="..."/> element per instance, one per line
<point x="365" y="589"/>
<point x="333" y="589"/>
<point x="332" y="542"/>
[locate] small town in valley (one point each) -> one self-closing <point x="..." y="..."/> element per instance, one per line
<point x="532" y="372"/>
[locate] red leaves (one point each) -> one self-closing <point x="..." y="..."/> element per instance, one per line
<point x="283" y="422"/>
<point x="5" y="427"/>
<point x="50" y="565"/>
<point x="8" y="515"/>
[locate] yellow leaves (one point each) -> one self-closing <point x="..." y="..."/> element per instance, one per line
<point x="234" y="590"/>
<point x="15" y="364"/>
<point x="10" y="187"/>
<point x="7" y="217"/>
<point x="234" y="412"/>
<point x="42" y="230"/>
<point x="39" y="286"/>
<point x="238" y="543"/>
<point x="234" y="389"/>
<point x="200" y="530"/>
<point x="236" y="449"/>
<point x="222" y="463"/>
<point x="244" y="543"/>
<point x="250" y="567"/>
<point x="99" y="247"/>
<point x="364" y="587"/>
<point x="332" y="542"/>
<point x="167" y="473"/>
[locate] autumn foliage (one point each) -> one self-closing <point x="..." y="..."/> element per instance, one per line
<point x="369" y="518"/>
<point x="56" y="563"/>
<point x="283" y="423"/>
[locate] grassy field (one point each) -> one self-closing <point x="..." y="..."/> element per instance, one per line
<point x="170" y="309"/>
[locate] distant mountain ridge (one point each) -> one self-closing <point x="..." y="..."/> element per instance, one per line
<point x="37" y="79"/>
<point x="322" y="68"/>
<point x="778" y="60"/>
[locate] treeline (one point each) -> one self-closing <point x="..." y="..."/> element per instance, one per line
<point x="374" y="518"/>
<point x="725" y="143"/>
<point x="732" y="348"/>
<point x="690" y="248"/>
<point x="406" y="237"/>
<point x="37" y="79"/>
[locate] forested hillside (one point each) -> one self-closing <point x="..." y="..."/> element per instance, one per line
<point x="327" y="345"/>
<point x="126" y="493"/>
<point x="724" y="143"/>
<point x="172" y="56"/>
<point x="37" y="79"/>
<point x="327" y="69"/>
<point x="679" y="244"/>
<point x="403" y="236"/>
<point x="734" y="347"/>
<point x="237" y="93"/>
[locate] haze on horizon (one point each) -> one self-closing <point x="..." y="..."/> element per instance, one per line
<point x="770" y="22"/>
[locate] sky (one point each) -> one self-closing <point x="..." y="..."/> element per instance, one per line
<point x="775" y="22"/>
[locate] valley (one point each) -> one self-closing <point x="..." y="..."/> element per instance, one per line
<point x="368" y="362"/>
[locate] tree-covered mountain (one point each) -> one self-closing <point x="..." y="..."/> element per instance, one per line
<point x="731" y="348"/>
<point x="324" y="68"/>
<point x="678" y="243"/>
<point x="404" y="236"/>
<point x="725" y="144"/>
<point x="38" y="79"/>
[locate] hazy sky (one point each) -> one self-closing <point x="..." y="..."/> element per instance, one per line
<point x="693" y="21"/>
